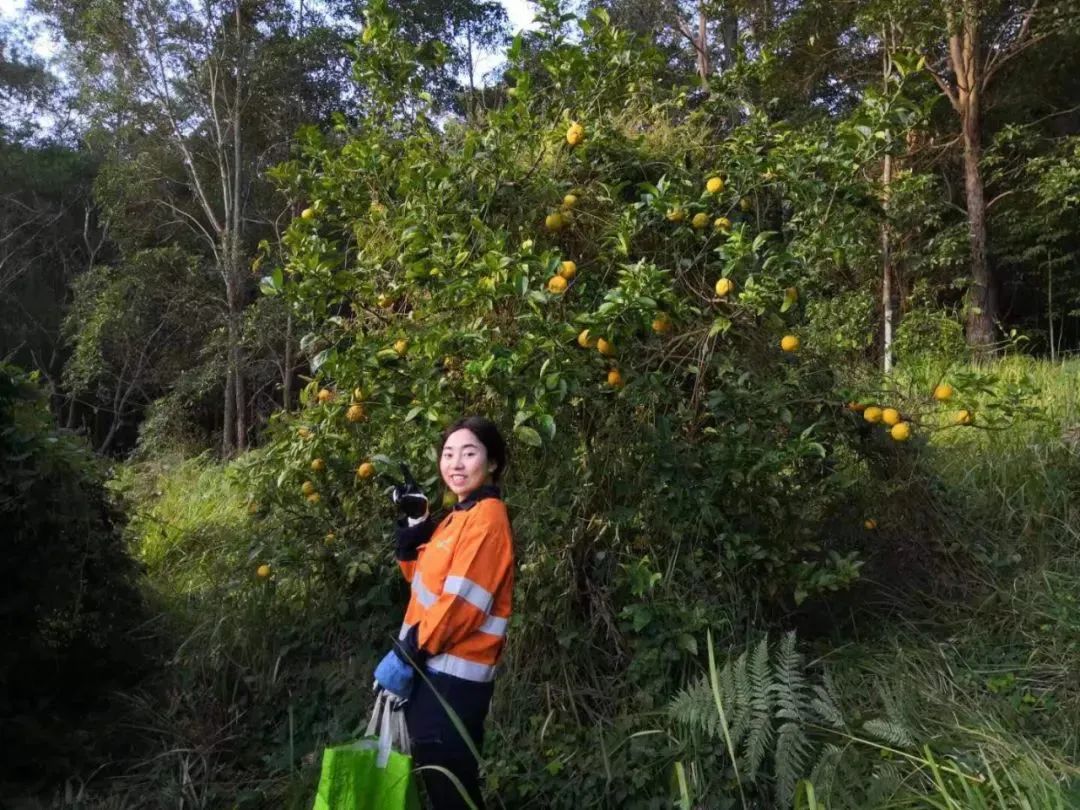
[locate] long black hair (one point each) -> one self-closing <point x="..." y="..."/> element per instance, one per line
<point x="489" y="436"/>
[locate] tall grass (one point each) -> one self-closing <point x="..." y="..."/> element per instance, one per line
<point x="983" y="678"/>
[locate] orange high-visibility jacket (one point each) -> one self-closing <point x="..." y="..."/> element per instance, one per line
<point x="462" y="576"/>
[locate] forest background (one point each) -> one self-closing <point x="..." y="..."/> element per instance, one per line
<point x="778" y="301"/>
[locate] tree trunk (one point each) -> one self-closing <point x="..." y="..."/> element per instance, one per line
<point x="966" y="64"/>
<point x="241" y="398"/>
<point x="228" y="428"/>
<point x="286" y="381"/>
<point x="729" y="35"/>
<point x="886" y="272"/>
<point x="982" y="294"/>
<point x="703" y="45"/>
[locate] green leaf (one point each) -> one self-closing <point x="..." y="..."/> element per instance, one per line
<point x="720" y="325"/>
<point x="528" y="436"/>
<point x="547" y="423"/>
<point x="761" y="239"/>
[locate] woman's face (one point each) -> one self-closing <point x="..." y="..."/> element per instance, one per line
<point x="464" y="463"/>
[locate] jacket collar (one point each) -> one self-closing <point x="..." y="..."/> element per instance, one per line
<point x="477" y="495"/>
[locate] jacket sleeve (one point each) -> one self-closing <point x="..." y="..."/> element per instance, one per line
<point x="483" y="559"/>
<point x="409" y="539"/>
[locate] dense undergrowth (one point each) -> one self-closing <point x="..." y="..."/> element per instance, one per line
<point x="946" y="683"/>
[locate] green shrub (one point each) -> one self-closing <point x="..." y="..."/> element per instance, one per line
<point x="70" y="599"/>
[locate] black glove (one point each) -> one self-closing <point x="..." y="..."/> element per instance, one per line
<point x="408" y="496"/>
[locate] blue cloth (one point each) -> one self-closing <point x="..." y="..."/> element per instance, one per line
<point x="394" y="675"/>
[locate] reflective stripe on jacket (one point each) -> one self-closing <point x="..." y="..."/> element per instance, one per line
<point x="462" y="575"/>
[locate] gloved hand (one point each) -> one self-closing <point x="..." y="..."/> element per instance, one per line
<point x="408" y="496"/>
<point x="395" y="676"/>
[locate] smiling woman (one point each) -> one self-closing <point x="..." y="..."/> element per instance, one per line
<point x="462" y="575"/>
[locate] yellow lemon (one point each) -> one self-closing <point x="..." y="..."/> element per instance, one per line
<point x="714" y="185"/>
<point x="554" y="221"/>
<point x="890" y="416"/>
<point x="872" y="414"/>
<point x="700" y="220"/>
<point x="401" y="346"/>
<point x="901" y="431"/>
<point x="789" y="343"/>
<point x="722" y="224"/>
<point x="325" y="395"/>
<point x="943" y="392"/>
<point x="365" y="470"/>
<point x="314" y="498"/>
<point x="355" y="413"/>
<point x="745" y="204"/>
<point x="318" y="465"/>
<point x="605" y="347"/>
<point x="575" y="133"/>
<point x="307" y="487"/>
<point x="676" y="215"/>
<point x="962" y="417"/>
<point x="724" y="287"/>
<point x="585" y="341"/>
<point x="614" y="378"/>
<point x="304" y="433"/>
<point x="263" y="571"/>
<point x="568" y="269"/>
<point x="556" y="285"/>
<point x="569" y="201"/>
<point x="307" y="213"/>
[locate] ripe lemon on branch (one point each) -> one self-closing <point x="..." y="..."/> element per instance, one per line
<point x="575" y="133"/>
<point x="554" y="221"/>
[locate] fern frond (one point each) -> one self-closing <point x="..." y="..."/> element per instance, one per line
<point x="761" y="730"/>
<point x="888" y="732"/>
<point x="824" y="773"/>
<point x="740" y="716"/>
<point x="826" y="710"/>
<point x="790" y="761"/>
<point x="789" y="686"/>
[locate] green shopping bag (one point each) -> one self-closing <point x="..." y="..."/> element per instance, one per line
<point x="374" y="773"/>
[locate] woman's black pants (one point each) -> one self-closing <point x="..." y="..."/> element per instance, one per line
<point x="436" y="741"/>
